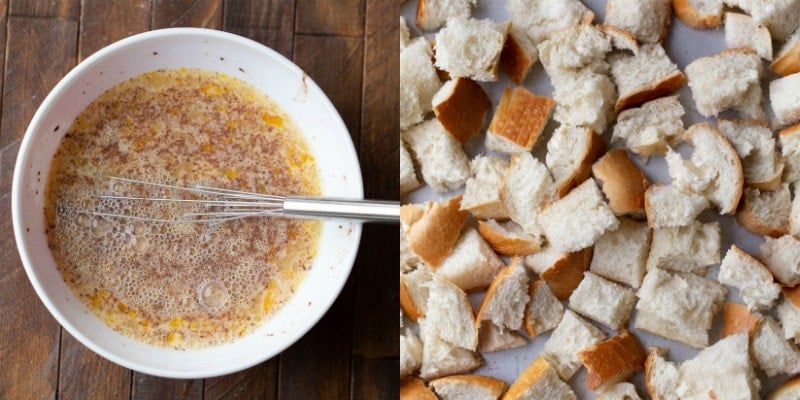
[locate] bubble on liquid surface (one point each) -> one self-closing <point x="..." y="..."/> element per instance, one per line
<point x="83" y="220"/>
<point x="212" y="294"/>
<point x="101" y="226"/>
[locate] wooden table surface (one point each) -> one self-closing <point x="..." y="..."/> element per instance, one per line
<point x="349" y="47"/>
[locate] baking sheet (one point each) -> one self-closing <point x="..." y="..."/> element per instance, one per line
<point x="683" y="46"/>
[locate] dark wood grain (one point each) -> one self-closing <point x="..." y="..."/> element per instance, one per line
<point x="80" y="369"/>
<point x="257" y="383"/>
<point x="196" y="13"/>
<point x="106" y="21"/>
<point x="334" y="17"/>
<point x="28" y="336"/>
<point x="375" y="344"/>
<point x="29" y="339"/>
<point x="268" y="22"/>
<point x="147" y="387"/>
<point x="60" y="9"/>
<point x="40" y="52"/>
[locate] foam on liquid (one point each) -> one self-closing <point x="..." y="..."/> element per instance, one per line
<point x="179" y="285"/>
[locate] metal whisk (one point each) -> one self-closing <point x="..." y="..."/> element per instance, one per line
<point x="216" y="205"/>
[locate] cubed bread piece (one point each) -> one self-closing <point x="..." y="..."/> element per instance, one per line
<point x="518" y="55"/>
<point x="572" y="335"/>
<point x="650" y="129"/>
<point x="518" y="121"/>
<point x="573" y="49"/>
<point x="751" y="277"/>
<point x="539" y="381"/>
<point x="461" y="106"/>
<point x="620" y="391"/>
<point x="434" y="233"/>
<point x="721" y="371"/>
<point x="737" y="318"/>
<point x="782" y="257"/>
<point x="577" y="220"/>
<point x="621" y="39"/>
<point x="679" y="306"/>
<point x="408" y="259"/>
<point x="482" y="195"/>
<point x="545" y="259"/>
<point x="414" y="292"/>
<point x="742" y="31"/>
<point x="644" y="76"/>
<point x="449" y="315"/>
<point x="527" y="186"/>
<point x="622" y="182"/>
<point x="789" y="390"/>
<point x="570" y="155"/>
<point x="794" y="213"/>
<point x="418" y="82"/>
<point x="476" y="387"/>
<point x="766" y="212"/>
<point x="753" y="141"/>
<point x="563" y="271"/>
<point x="585" y="99"/>
<point x="410" y="353"/>
<point x="508" y="238"/>
<point x="789" y="313"/>
<point x="698" y="14"/>
<point x="730" y="79"/>
<point x="789" y="139"/>
<point x="668" y="207"/>
<point x="472" y="265"/>
<point x="661" y="377"/>
<point x="772" y="353"/>
<point x="788" y="60"/>
<point x="443" y="164"/>
<point x="505" y="300"/>
<point x="612" y="360"/>
<point x="690" y="248"/>
<point x="784" y="96"/>
<point x="779" y="16"/>
<point x="413" y="388"/>
<point x="471" y="48"/>
<point x="621" y="254"/>
<point x="603" y="301"/>
<point x="493" y="338"/>
<point x="408" y="178"/>
<point x="540" y="18"/>
<point x="544" y="311"/>
<point x="440" y="358"/>
<point x="714" y="169"/>
<point x="433" y="14"/>
<point x="648" y="20"/>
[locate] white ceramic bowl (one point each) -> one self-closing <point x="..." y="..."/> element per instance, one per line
<point x="210" y="50"/>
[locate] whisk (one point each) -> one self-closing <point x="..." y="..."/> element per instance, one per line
<point x="217" y="205"/>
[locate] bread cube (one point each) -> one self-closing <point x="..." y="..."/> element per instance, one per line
<point x="621" y="255"/>
<point x="751" y="277"/>
<point x="577" y="220"/>
<point x="678" y="306"/>
<point x="443" y="164"/>
<point x="572" y="335"/>
<point x="603" y="301"/>
<point x="471" y="48"/>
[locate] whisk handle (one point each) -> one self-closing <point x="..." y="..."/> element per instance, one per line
<point x="364" y="210"/>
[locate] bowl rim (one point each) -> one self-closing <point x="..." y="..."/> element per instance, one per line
<point x="24" y="154"/>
